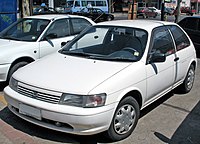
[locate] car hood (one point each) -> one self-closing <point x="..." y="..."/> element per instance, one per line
<point x="10" y="43"/>
<point x="7" y="45"/>
<point x="68" y="74"/>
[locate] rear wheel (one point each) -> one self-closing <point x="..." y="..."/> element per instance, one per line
<point x="15" y="67"/>
<point x="189" y="81"/>
<point x="124" y="120"/>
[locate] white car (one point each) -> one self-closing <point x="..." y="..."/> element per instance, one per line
<point x="103" y="78"/>
<point x="155" y="9"/>
<point x="34" y="37"/>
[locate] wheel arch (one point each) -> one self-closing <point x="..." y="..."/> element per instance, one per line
<point x="136" y="95"/>
<point x="21" y="59"/>
<point x="194" y="63"/>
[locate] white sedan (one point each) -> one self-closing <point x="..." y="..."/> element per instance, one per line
<point x="34" y="37"/>
<point x="103" y="78"/>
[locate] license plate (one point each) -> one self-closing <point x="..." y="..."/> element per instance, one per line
<point x="30" y="111"/>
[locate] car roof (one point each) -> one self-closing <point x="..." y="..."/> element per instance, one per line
<point x="148" y="25"/>
<point x="54" y="16"/>
<point x="196" y="16"/>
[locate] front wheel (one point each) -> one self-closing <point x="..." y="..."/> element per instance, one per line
<point x="125" y="119"/>
<point x="189" y="81"/>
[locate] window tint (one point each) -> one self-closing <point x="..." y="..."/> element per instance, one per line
<point x="100" y="3"/>
<point x="162" y="41"/>
<point x="191" y="23"/>
<point x="180" y="38"/>
<point x="59" y="28"/>
<point x="77" y="3"/>
<point x="79" y="25"/>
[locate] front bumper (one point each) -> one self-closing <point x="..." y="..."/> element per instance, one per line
<point x="4" y="68"/>
<point x="75" y="120"/>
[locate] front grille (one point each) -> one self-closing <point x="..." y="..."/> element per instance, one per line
<point x="38" y="95"/>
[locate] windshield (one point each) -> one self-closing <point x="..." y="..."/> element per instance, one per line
<point x="25" y="30"/>
<point x="109" y="43"/>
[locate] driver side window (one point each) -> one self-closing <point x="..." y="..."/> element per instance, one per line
<point x="58" y="29"/>
<point x="162" y="42"/>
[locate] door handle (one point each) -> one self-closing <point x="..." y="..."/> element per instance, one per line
<point x="176" y="59"/>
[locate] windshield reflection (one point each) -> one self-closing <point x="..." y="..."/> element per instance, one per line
<point x="109" y="43"/>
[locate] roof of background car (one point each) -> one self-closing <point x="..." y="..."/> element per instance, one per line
<point x="143" y="24"/>
<point x="195" y="16"/>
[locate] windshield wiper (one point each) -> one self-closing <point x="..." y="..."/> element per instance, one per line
<point x="114" y="58"/>
<point x="76" y="53"/>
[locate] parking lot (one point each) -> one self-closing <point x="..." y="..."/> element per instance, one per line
<point x="173" y="119"/>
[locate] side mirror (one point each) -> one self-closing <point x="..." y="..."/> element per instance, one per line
<point x="157" y="58"/>
<point x="64" y="43"/>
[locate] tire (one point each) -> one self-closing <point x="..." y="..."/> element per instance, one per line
<point x="125" y="119"/>
<point x="15" y="67"/>
<point x="144" y="16"/>
<point x="109" y="18"/>
<point x="187" y="84"/>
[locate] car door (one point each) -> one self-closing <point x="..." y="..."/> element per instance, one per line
<point x="184" y="50"/>
<point x="58" y="32"/>
<point x="160" y="75"/>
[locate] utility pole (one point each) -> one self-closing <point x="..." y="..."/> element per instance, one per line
<point x="178" y="10"/>
<point x="26" y="8"/>
<point x="162" y="10"/>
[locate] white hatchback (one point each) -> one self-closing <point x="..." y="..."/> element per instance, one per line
<point x="34" y="37"/>
<point x="103" y="78"/>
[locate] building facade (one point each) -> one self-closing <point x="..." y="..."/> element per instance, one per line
<point x="122" y="5"/>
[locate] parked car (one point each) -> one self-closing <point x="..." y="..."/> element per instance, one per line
<point x="146" y="12"/>
<point x="34" y="37"/>
<point x="187" y="10"/>
<point x="44" y="10"/>
<point x="103" y="78"/>
<point x="192" y="26"/>
<point x="95" y="14"/>
<point x="156" y="10"/>
<point x="168" y="11"/>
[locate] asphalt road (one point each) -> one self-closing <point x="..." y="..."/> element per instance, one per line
<point x="173" y="119"/>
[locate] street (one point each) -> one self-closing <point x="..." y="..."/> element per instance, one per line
<point x="173" y="119"/>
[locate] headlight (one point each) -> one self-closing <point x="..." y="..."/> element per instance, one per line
<point x="13" y="83"/>
<point x="83" y="100"/>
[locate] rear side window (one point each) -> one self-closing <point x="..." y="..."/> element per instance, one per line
<point x="181" y="40"/>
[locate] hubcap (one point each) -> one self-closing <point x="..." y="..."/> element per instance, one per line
<point x="190" y="79"/>
<point x="124" y="119"/>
